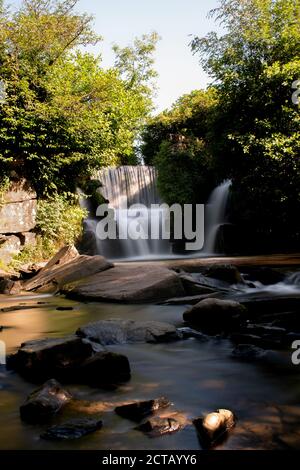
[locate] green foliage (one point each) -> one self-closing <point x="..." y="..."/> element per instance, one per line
<point x="257" y="127"/>
<point x="185" y="173"/>
<point x="59" y="220"/>
<point x="64" y="114"/>
<point x="177" y="142"/>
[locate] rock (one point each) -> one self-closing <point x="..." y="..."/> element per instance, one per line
<point x="56" y="274"/>
<point x="108" y="332"/>
<point x="19" y="190"/>
<point x="9" y="247"/>
<point x="128" y="283"/>
<point x="73" y="429"/>
<point x="18" y="208"/>
<point x="9" y="287"/>
<point x="1" y="329"/>
<point x="18" y="216"/>
<point x="47" y="358"/>
<point x="264" y="275"/>
<point x="44" y="403"/>
<point x="157" y="426"/>
<point x="212" y="283"/>
<point x="187" y="332"/>
<point x="27" y="238"/>
<point x="70" y="359"/>
<point x="225" y="272"/>
<point x="103" y="369"/>
<point x="248" y="352"/>
<point x="214" y="427"/>
<point x="262" y="304"/>
<point x="137" y="411"/>
<point x="260" y="341"/>
<point x="66" y="254"/>
<point x="191" y="300"/>
<point x="215" y="315"/>
<point x="64" y="309"/>
<point x="192" y="287"/>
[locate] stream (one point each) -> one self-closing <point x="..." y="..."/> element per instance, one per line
<point x="197" y="376"/>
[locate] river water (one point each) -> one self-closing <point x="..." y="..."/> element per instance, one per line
<point x="198" y="377"/>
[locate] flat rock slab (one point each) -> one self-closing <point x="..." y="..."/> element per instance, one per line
<point x="131" y="284"/>
<point x="108" y="332"/>
<point x="56" y="276"/>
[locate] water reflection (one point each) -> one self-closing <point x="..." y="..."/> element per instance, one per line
<point x="196" y="377"/>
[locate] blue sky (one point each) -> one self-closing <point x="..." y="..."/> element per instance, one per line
<point x="175" y="20"/>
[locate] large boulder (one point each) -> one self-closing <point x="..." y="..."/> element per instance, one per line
<point x="215" y="315"/>
<point x="108" y="332"/>
<point x="44" y="403"/>
<point x="51" y="357"/>
<point x="70" y="359"/>
<point x="105" y="368"/>
<point x="128" y="283"/>
<point x="66" y="267"/>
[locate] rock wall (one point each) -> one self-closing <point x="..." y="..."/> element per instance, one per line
<point x="18" y="208"/>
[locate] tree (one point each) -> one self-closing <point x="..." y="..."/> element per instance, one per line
<point x="64" y="115"/>
<point x="257" y="126"/>
<point x="177" y="142"/>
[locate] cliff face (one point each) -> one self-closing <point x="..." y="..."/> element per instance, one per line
<point x="18" y="208"/>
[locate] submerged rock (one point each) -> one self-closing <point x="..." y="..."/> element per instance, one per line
<point x="214" y="427"/>
<point x="215" y="315"/>
<point x="156" y="426"/>
<point x="108" y="332"/>
<point x="44" y="403"/>
<point x="248" y="352"/>
<point x="137" y="411"/>
<point x="128" y="283"/>
<point x="73" y="429"/>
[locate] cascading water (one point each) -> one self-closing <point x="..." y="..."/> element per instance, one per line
<point x="136" y="185"/>
<point x="215" y="215"/>
<point x="124" y="187"/>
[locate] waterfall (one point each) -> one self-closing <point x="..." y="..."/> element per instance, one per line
<point x="123" y="187"/>
<point x="215" y="215"/>
<point x="128" y="185"/>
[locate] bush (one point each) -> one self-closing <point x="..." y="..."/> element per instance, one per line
<point x="59" y="222"/>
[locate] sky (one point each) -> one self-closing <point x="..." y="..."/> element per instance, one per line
<point x="176" y="21"/>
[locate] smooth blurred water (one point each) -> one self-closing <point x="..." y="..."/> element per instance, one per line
<point x="196" y="376"/>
